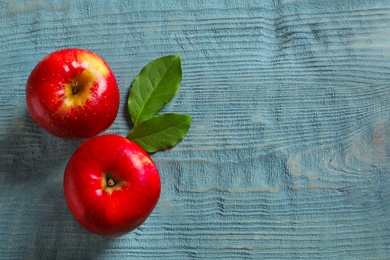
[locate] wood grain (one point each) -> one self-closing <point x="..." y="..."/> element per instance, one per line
<point x="288" y="154"/>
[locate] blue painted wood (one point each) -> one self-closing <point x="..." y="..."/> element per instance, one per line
<point x="288" y="154"/>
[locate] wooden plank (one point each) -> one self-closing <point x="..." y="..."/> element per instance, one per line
<point x="288" y="154"/>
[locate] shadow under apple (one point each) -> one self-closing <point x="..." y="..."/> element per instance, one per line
<point x="59" y="236"/>
<point x="32" y="154"/>
<point x="32" y="166"/>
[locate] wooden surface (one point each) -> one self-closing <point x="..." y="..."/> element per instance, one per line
<point x="288" y="154"/>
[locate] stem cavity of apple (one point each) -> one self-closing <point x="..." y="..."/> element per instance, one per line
<point x="110" y="182"/>
<point x="75" y="87"/>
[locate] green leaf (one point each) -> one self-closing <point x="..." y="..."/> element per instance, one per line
<point x="160" y="132"/>
<point x="155" y="85"/>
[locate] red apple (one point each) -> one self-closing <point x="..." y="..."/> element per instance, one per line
<point x="72" y="93"/>
<point x="111" y="185"/>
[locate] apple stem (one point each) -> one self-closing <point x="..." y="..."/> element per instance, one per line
<point x="110" y="182"/>
<point x="75" y="87"/>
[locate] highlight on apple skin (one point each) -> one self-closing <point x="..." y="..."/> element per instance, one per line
<point x="111" y="185"/>
<point x="72" y="93"/>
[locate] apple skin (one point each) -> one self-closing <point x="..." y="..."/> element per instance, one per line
<point x="72" y="93"/>
<point x="111" y="210"/>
